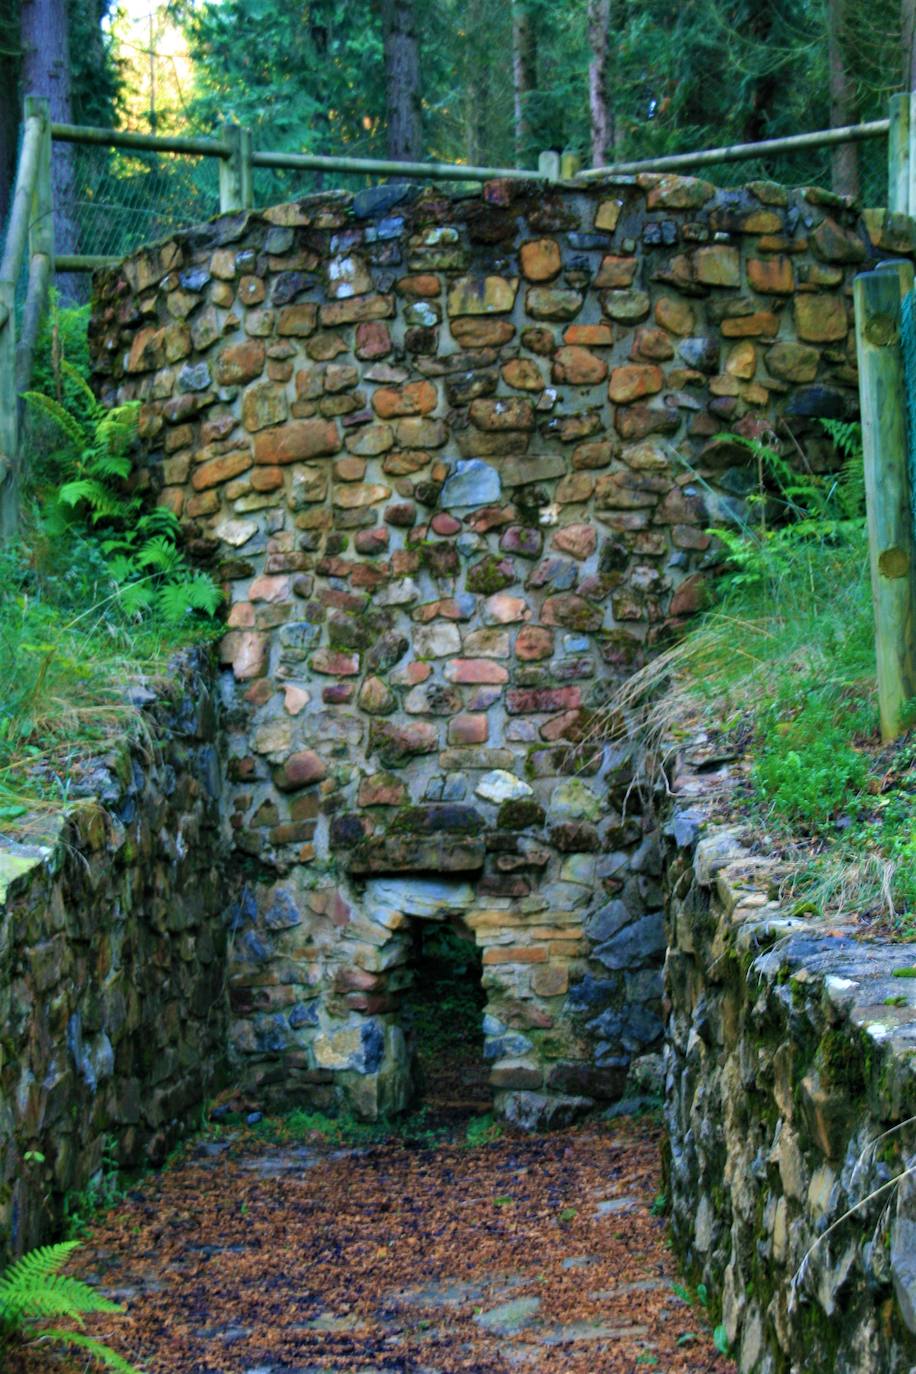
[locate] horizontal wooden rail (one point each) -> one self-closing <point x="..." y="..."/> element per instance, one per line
<point x="154" y="143"/>
<point x="82" y="262"/>
<point x="741" y="152"/>
<point x="439" y="171"/>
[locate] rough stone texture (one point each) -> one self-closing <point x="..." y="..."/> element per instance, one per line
<point x="112" y="966"/>
<point x="476" y="514"/>
<point x="791" y="1048"/>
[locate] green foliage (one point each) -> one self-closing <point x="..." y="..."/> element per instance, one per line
<point x="103" y="1191"/>
<point x="33" y="1291"/>
<point x="92" y="494"/>
<point x="482" y="1130"/>
<point x="807" y="769"/>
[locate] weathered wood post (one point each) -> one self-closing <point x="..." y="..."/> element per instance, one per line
<point x="892" y="546"/>
<point x="549" y="164"/>
<point x="34" y="145"/>
<point x="235" y="181"/>
<point x="41" y="248"/>
<point x="901" y="155"/>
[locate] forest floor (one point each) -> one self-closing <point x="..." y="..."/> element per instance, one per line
<point x="299" y="1245"/>
<point x="538" y="1254"/>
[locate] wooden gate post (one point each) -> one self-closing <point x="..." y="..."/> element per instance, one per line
<point x="235" y="181"/>
<point x="891" y="542"/>
<point x="901" y="155"/>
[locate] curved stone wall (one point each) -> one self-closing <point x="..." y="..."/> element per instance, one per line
<point x="453" y="459"/>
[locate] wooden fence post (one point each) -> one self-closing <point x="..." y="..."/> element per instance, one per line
<point x="235" y="181"/>
<point x="549" y="164"/>
<point x="892" y="547"/>
<point x="40" y="250"/>
<point x="901" y="155"/>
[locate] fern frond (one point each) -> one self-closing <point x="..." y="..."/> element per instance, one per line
<point x="103" y="1353"/>
<point x="137" y="597"/>
<point x="33" y="1289"/>
<point x="160" y="520"/>
<point x="116" y="428"/>
<point x="203" y="594"/>
<point x="159" y="553"/>
<point x="103" y="504"/>
<point x="74" y="375"/>
<point x="56" y="412"/>
<point x="110" y="465"/>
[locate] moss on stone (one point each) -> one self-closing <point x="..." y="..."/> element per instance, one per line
<point x="520" y="815"/>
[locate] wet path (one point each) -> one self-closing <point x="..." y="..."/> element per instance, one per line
<point x="534" y="1254"/>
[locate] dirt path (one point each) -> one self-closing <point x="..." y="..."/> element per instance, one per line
<point x="532" y="1254"/>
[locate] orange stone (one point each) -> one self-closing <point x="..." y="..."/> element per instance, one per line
<point x="220" y="469"/>
<point x="762" y="324"/>
<point x="533" y="642"/>
<point x="246" y="652"/>
<point x="589" y="335"/>
<point x="652" y="343"/>
<point x="294" y="440"/>
<point x="423" y="286"/>
<point x="633" y="381"/>
<point x="523" y="375"/>
<point x="298" y="320"/>
<point x="820" y="319"/>
<point x="240" y="363"/>
<point x="675" y="315"/>
<point x="578" y="367"/>
<point x="616" y="272"/>
<point x="742" y="361"/>
<point x="416" y="398"/>
<point x="481" y="333"/>
<point x="771" y="276"/>
<point x="540" y="259"/>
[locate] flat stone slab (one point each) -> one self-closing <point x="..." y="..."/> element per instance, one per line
<point x="510" y="1317"/>
<point x="430" y="897"/>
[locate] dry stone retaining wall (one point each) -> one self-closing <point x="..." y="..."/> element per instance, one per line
<point x="112" y="966"/>
<point x="453" y="459"/>
<point x="789" y="1098"/>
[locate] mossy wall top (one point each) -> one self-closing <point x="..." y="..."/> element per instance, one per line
<point x="452" y="458"/>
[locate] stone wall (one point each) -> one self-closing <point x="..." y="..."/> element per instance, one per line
<point x="452" y="458"/>
<point x="112" y="965"/>
<point x="791" y="1067"/>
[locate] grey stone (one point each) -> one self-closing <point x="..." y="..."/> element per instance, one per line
<point x="194" y="377"/>
<point x="473" y="483"/>
<point x="532" y="1111"/>
<point x="509" y="1317"/>
<point x="636" y="944"/>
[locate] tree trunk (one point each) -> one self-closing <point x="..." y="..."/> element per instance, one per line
<point x="599" y="33"/>
<point x="524" y="77"/>
<point x="908" y="53"/>
<point x="476" y="85"/>
<point x="46" y="72"/>
<point x="402" y="80"/>
<point x="9" y="126"/>
<point x="844" y="158"/>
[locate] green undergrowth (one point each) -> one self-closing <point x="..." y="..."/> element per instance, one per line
<point x="97" y="594"/>
<point x="780" y="672"/>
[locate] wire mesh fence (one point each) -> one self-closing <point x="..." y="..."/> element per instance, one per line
<point x="123" y="199"/>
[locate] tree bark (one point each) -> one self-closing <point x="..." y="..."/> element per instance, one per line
<point x="9" y="125"/>
<point x="524" y="77"/>
<point x="908" y="52"/>
<point x="599" y="33"/>
<point x="402" y="80"/>
<point x="46" y="72"/>
<point x="844" y="159"/>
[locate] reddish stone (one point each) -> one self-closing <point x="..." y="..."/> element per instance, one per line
<point x="382" y="789"/>
<point x="675" y="315"/>
<point x="468" y="729"/>
<point x="298" y="321"/>
<point x="475" y="670"/>
<point x="523" y="374"/>
<point x="652" y="343"/>
<point x="374" y="541"/>
<point x="579" y="540"/>
<point x="357" y="309"/>
<point x="334" y="664"/>
<point x="533" y="642"/>
<point x="690" y="596"/>
<point x="507" y="413"/>
<point x="565" y="726"/>
<point x="300" y="770"/>
<point x="445" y="524"/>
<point x="372" y="340"/>
<point x="638" y="421"/>
<point x="771" y="276"/>
<point x="762" y="324"/>
<point x="574" y="613"/>
<point x="337" y="693"/>
<point x="471" y="332"/>
<point x="246" y="652"/>
<point x="530" y="700"/>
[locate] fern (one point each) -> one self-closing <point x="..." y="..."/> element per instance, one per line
<point x="145" y="559"/>
<point x="32" y="1290"/>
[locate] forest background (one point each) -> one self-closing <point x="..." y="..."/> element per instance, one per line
<point x="478" y="81"/>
